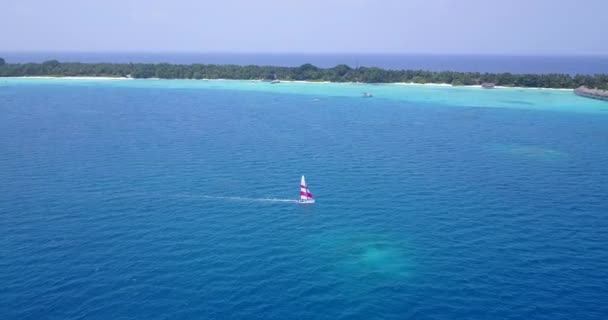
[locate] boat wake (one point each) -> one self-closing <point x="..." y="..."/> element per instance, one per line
<point x="252" y="199"/>
<point x="305" y="196"/>
<point x="232" y="198"/>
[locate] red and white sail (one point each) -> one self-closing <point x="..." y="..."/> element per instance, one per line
<point x="304" y="192"/>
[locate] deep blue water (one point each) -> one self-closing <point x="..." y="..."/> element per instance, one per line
<point x="123" y="202"/>
<point x="474" y="63"/>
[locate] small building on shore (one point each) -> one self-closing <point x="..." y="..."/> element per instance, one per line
<point x="591" y="93"/>
<point x="488" y="85"/>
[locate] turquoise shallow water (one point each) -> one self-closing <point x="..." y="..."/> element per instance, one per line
<point x="170" y="199"/>
<point x="512" y="98"/>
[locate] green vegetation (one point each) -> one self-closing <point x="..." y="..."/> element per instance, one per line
<point x="339" y="73"/>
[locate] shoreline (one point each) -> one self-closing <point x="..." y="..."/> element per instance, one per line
<point x="473" y="86"/>
<point x="591" y="93"/>
<point x="68" y="78"/>
<point x="445" y="85"/>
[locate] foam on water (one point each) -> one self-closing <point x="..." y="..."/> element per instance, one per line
<point x="241" y="198"/>
<point x="529" y="151"/>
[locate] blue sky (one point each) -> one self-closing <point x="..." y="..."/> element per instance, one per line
<point x="307" y="26"/>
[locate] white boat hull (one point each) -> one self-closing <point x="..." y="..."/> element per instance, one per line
<point x="306" y="201"/>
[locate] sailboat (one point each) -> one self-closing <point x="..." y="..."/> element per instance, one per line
<point x="305" y="195"/>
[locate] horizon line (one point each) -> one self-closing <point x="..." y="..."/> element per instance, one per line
<point x="305" y="53"/>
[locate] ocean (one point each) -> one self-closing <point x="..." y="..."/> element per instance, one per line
<point x="464" y="63"/>
<point x="174" y="199"/>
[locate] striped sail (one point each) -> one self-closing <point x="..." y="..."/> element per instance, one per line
<point x="304" y="192"/>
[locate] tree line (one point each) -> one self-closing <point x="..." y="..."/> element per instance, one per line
<point x="308" y="72"/>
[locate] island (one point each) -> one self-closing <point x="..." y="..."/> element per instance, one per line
<point x="305" y="72"/>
